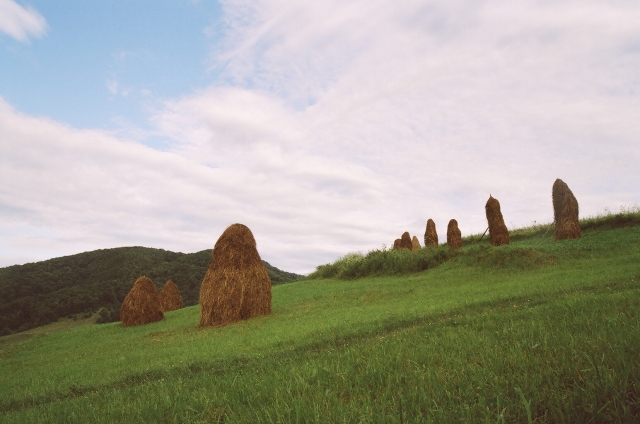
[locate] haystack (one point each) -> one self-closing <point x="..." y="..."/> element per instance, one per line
<point x="142" y="304"/>
<point x="565" y="212"/>
<point x="498" y="233"/>
<point x="170" y="298"/>
<point x="430" y="235"/>
<point x="415" y="243"/>
<point x="454" y="236"/>
<point x="236" y="285"/>
<point x="405" y="241"/>
<point x="396" y="243"/>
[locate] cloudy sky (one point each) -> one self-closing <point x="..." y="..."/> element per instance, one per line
<point x="326" y="127"/>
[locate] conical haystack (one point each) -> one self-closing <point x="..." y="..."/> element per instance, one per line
<point x="170" y="298"/>
<point x="498" y="233"/>
<point x="415" y="243"/>
<point x="565" y="212"/>
<point x="430" y="235"/>
<point x="405" y="241"/>
<point x="142" y="304"/>
<point x="454" y="236"/>
<point x="396" y="243"/>
<point x="237" y="285"/>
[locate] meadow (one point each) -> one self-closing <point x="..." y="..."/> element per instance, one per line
<point x="537" y="331"/>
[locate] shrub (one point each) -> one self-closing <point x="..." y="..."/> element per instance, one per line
<point x="383" y="262"/>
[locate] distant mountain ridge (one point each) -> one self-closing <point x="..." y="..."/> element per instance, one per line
<point x="39" y="293"/>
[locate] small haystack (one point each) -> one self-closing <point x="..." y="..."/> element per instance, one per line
<point x="498" y="233"/>
<point x="396" y="243"/>
<point x="237" y="285"/>
<point x="170" y="298"/>
<point x="142" y="304"/>
<point x="430" y="235"/>
<point x="565" y="212"/>
<point x="454" y="236"/>
<point x="405" y="241"/>
<point x="415" y="243"/>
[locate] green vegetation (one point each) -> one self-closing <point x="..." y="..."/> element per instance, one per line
<point x="79" y="285"/>
<point x="529" y="250"/>
<point x="536" y="331"/>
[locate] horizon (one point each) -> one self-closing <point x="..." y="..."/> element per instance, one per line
<point x="325" y="128"/>
<point x="623" y="209"/>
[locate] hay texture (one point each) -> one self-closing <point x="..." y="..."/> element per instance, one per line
<point x="236" y="285"/>
<point x="142" y="304"/>
<point x="498" y="233"/>
<point x="396" y="244"/>
<point x="405" y="241"/>
<point x="170" y="298"/>
<point x="415" y="243"/>
<point x="430" y="235"/>
<point x="565" y="212"/>
<point x="454" y="236"/>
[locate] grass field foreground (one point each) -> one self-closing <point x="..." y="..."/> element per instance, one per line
<point x="536" y="331"/>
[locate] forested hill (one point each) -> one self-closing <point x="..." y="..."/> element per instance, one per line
<point x="39" y="293"/>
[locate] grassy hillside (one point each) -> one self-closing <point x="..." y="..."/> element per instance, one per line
<point x="384" y="261"/>
<point x="39" y="293"/>
<point x="536" y="331"/>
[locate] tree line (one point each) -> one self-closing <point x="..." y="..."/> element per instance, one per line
<point x="39" y="293"/>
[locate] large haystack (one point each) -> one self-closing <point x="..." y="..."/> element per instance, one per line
<point x="415" y="243"/>
<point x="405" y="241"/>
<point x="430" y="235"/>
<point x="142" y="304"/>
<point x="565" y="212"/>
<point x="498" y="233"/>
<point x="237" y="285"/>
<point x="454" y="236"/>
<point x="170" y="298"/>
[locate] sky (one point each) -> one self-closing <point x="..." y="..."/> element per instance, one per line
<point x="325" y="127"/>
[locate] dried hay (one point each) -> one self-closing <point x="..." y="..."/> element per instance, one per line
<point x="565" y="212"/>
<point x="454" y="236"/>
<point x="498" y="233"/>
<point x="405" y="241"/>
<point x="142" y="304"/>
<point x="236" y="285"/>
<point x="170" y="298"/>
<point x="396" y="244"/>
<point x="430" y="235"/>
<point x="415" y="244"/>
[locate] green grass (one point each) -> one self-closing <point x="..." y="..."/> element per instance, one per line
<point x="385" y="261"/>
<point x="538" y="329"/>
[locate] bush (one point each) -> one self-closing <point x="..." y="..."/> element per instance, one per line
<point x="108" y="315"/>
<point x="627" y="216"/>
<point x="384" y="262"/>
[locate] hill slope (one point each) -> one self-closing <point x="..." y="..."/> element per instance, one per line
<point x="537" y="331"/>
<point x="38" y="293"/>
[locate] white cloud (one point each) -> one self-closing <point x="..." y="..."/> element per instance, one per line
<point x="21" y="22"/>
<point x="117" y="89"/>
<point x="66" y="190"/>
<point x="336" y="126"/>
<point x="445" y="102"/>
<point x="112" y="86"/>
